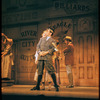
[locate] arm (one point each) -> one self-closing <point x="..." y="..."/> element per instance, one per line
<point x="51" y="49"/>
<point x="38" y="46"/>
<point x="43" y="53"/>
<point x="67" y="49"/>
<point x="7" y="47"/>
<point x="36" y="57"/>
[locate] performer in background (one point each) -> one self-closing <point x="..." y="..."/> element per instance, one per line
<point x="45" y="50"/>
<point x="56" y="62"/>
<point x="69" y="59"/>
<point x="6" y="57"/>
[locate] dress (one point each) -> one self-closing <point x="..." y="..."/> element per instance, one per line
<point x="6" y="60"/>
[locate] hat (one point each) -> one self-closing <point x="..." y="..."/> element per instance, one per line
<point x="51" y="30"/>
<point x="68" y="38"/>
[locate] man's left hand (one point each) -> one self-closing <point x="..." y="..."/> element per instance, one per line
<point x="43" y="53"/>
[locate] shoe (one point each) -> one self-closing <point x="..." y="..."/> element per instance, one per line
<point x="57" y="85"/>
<point x="57" y="89"/>
<point x="70" y="86"/>
<point x="35" y="88"/>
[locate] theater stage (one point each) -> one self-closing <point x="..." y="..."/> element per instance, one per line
<point x="23" y="92"/>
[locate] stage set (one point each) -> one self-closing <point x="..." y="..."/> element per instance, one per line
<point x="23" y="24"/>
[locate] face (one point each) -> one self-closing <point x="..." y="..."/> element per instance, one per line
<point x="48" y="32"/>
<point x="44" y="34"/>
<point x="66" y="41"/>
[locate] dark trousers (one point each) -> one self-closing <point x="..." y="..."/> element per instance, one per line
<point x="50" y="70"/>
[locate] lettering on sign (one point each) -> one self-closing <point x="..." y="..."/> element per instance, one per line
<point x="61" y="24"/>
<point x="27" y="58"/>
<point x="28" y="44"/>
<point x="29" y="33"/>
<point x="71" y="6"/>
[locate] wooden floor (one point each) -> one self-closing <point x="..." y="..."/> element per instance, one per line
<point x="23" y="92"/>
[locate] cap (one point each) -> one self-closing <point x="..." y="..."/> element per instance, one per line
<point x="68" y="38"/>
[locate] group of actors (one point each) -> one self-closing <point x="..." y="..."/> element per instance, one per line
<point x="45" y="49"/>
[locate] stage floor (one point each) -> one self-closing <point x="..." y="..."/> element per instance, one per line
<point x="72" y="93"/>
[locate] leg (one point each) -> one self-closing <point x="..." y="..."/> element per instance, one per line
<point x="54" y="79"/>
<point x="43" y="80"/>
<point x="70" y="76"/>
<point x="70" y="79"/>
<point x="40" y="67"/>
<point x="57" y="66"/>
<point x="48" y="78"/>
<point x="38" y="83"/>
<point x="57" y="78"/>
<point x="51" y="71"/>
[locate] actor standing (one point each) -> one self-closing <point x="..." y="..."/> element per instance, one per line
<point x="45" y="76"/>
<point x="45" y="51"/>
<point x="69" y="59"/>
<point x="6" y="57"/>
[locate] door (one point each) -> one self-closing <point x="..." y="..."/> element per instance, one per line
<point x="85" y="60"/>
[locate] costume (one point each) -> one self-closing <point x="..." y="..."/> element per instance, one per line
<point x="45" y="45"/>
<point x="6" y="57"/>
<point x="46" y="76"/>
<point x="69" y="54"/>
<point x="69" y="61"/>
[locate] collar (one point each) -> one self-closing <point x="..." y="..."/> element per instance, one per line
<point x="48" y="38"/>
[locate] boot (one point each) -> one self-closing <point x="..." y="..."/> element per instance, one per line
<point x="55" y="83"/>
<point x="70" y="77"/>
<point x="38" y="83"/>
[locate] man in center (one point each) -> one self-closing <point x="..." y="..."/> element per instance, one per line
<point x="45" y="50"/>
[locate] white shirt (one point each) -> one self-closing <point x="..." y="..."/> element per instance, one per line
<point x="36" y="55"/>
<point x="47" y="38"/>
